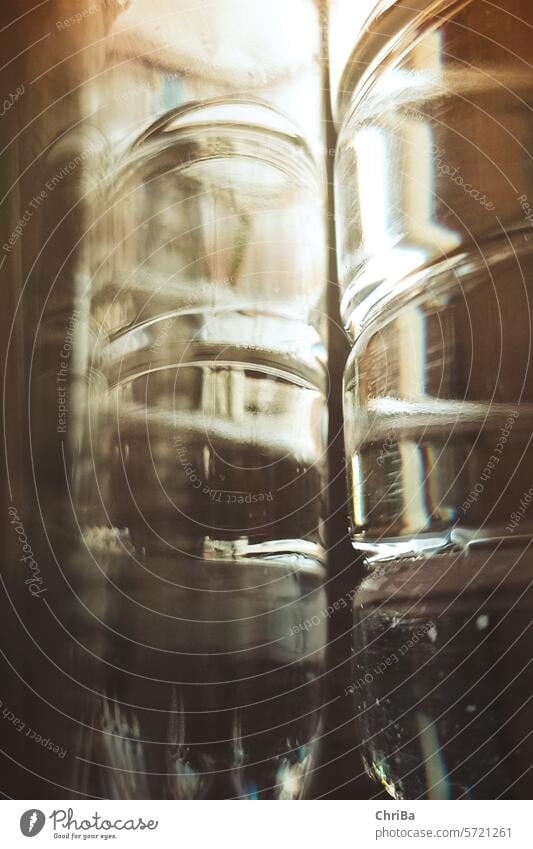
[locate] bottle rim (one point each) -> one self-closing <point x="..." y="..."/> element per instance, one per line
<point x="363" y="318"/>
<point x="222" y="127"/>
<point x="386" y="32"/>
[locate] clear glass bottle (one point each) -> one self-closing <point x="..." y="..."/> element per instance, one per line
<point x="208" y="418"/>
<point x="433" y="181"/>
<point x="166" y="398"/>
